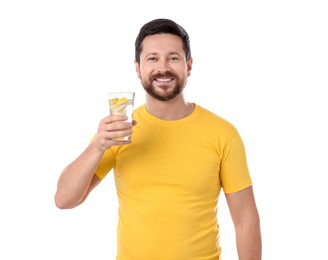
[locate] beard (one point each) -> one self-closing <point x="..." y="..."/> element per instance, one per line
<point x="151" y="90"/>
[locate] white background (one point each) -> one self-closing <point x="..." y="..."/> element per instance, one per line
<point x="263" y="65"/>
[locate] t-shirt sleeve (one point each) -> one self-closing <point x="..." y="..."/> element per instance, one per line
<point x="106" y="163"/>
<point x="234" y="173"/>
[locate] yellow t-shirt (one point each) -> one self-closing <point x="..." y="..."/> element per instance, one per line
<point x="168" y="181"/>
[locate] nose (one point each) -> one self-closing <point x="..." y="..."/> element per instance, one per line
<point x="163" y="66"/>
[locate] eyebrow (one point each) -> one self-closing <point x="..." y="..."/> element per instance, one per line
<point x="170" y="53"/>
<point x="151" y="53"/>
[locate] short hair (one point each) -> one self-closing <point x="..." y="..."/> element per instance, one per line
<point x="159" y="26"/>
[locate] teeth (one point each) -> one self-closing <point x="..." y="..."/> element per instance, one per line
<point x="164" y="80"/>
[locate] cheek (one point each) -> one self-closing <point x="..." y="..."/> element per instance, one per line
<point x="144" y="73"/>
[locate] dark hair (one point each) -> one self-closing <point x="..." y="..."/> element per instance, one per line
<point x="159" y="26"/>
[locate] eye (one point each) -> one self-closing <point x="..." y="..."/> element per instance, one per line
<point x="152" y="59"/>
<point x="174" y="58"/>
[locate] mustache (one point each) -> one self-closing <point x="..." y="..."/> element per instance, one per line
<point x="163" y="75"/>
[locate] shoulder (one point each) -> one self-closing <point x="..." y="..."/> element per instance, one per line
<point x="215" y="120"/>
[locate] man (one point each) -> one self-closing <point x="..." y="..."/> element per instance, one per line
<point x="169" y="175"/>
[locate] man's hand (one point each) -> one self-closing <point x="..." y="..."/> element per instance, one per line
<point x="111" y="128"/>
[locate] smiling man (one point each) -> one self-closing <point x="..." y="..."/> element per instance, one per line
<point x="169" y="175"/>
<point x="163" y="69"/>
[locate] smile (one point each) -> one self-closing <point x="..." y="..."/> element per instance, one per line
<point x="163" y="80"/>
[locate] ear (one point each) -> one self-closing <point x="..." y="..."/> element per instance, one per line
<point x="137" y="68"/>
<point x="189" y="66"/>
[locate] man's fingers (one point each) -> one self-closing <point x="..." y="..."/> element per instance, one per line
<point x="112" y="135"/>
<point x="114" y="118"/>
<point x="116" y="126"/>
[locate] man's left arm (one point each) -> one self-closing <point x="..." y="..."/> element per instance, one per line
<point x="246" y="220"/>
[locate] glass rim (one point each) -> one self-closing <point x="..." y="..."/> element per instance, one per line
<point x="120" y="92"/>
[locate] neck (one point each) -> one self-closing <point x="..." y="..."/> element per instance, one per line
<point x="174" y="109"/>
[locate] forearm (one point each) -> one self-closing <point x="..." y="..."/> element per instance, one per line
<point x="248" y="237"/>
<point x="74" y="181"/>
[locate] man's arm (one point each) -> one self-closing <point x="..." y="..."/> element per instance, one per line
<point x="78" y="179"/>
<point x="246" y="220"/>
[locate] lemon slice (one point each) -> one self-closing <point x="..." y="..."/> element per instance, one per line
<point x="121" y="100"/>
<point x="113" y="100"/>
<point x="118" y="106"/>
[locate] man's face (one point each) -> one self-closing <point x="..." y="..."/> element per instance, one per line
<point x="163" y="69"/>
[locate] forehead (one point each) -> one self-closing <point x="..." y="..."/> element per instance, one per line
<point x="162" y="43"/>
